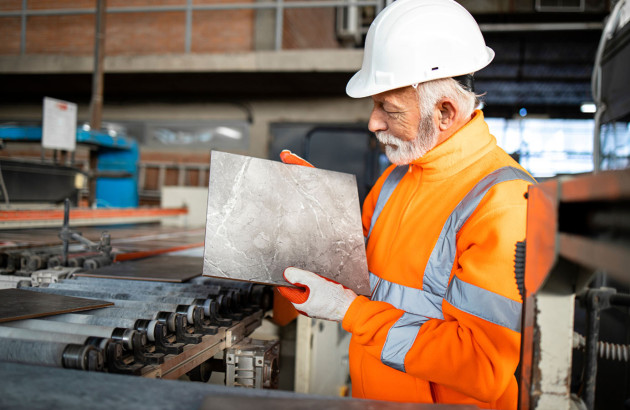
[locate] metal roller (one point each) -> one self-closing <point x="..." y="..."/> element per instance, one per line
<point x="156" y="329"/>
<point x="188" y="291"/>
<point x="57" y="354"/>
<point x="205" y="303"/>
<point x="7" y="332"/>
<point x="165" y="313"/>
<point x="124" y="335"/>
<point x="225" y="303"/>
<point x="256" y="294"/>
<point x="176" y="323"/>
<point x="147" y="331"/>
<point x="116" y="317"/>
<point x="137" y="284"/>
<point x="212" y="285"/>
<point x="91" y="320"/>
<point x="186" y="310"/>
<point x="205" y="322"/>
<point x="123" y="313"/>
<point x="108" y="321"/>
<point x="145" y="288"/>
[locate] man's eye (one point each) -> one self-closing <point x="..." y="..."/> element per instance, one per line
<point x="393" y="114"/>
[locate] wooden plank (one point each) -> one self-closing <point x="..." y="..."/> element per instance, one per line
<point x="18" y="304"/>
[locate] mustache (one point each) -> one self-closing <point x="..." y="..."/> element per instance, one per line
<point x="387" y="138"/>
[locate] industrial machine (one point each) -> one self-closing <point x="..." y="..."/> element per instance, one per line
<point x="151" y="328"/>
<point x="575" y="295"/>
<point x="113" y="167"/>
<point x="573" y="270"/>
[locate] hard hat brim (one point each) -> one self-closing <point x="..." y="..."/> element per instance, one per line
<point x="360" y="86"/>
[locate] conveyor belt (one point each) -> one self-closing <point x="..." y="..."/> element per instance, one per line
<point x="153" y="329"/>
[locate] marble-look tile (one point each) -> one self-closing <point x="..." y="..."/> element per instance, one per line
<point x="264" y="216"/>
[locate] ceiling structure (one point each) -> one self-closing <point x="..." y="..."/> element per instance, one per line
<point x="543" y="63"/>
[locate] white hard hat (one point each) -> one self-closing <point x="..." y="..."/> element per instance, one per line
<point x="413" y="41"/>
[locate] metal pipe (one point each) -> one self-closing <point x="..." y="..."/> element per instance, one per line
<point x="7" y="332"/>
<point x="124" y="335"/>
<point x="96" y="103"/>
<point x="227" y="298"/>
<point x="23" y="27"/>
<point x="126" y="289"/>
<point x="188" y="34"/>
<point x="279" y="25"/>
<point x="197" y="7"/>
<point x="597" y="141"/>
<point x="54" y="354"/>
<point x="105" y="321"/>
<point x="139" y="306"/>
<point x="91" y="320"/>
<point x="237" y="294"/>
<point x="212" y="285"/>
<point x="65" y="232"/>
<point x="127" y="296"/>
<point x="521" y="27"/>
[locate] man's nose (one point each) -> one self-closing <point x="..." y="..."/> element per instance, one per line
<point x="376" y="123"/>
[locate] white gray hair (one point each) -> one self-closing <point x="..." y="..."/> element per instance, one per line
<point x="430" y="92"/>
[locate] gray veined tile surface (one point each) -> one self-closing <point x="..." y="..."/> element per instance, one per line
<point x="264" y="216"/>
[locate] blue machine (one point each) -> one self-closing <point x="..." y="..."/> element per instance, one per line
<point x="117" y="167"/>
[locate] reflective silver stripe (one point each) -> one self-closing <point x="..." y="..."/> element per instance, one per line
<point x="399" y="340"/>
<point x="391" y="182"/>
<point x="373" y="283"/>
<point x="477" y="301"/>
<point x="495" y="308"/>
<point x="416" y="301"/>
<point x="440" y="263"/>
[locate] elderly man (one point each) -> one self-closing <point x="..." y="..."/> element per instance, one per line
<point x="443" y="322"/>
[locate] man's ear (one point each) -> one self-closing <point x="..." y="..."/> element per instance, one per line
<point x="447" y="113"/>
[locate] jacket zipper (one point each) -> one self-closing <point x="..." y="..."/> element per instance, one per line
<point x="375" y="288"/>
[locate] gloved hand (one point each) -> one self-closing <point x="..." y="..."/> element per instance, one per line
<point x="319" y="297"/>
<point x="288" y="157"/>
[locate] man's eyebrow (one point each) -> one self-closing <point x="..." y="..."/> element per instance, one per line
<point x="392" y="105"/>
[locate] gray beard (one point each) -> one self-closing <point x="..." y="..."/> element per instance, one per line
<point x="401" y="152"/>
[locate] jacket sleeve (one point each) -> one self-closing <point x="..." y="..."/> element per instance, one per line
<point x="469" y="351"/>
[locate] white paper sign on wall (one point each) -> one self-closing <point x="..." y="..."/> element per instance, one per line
<point x="59" y="129"/>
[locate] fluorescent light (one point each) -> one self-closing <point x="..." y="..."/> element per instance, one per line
<point x="229" y="132"/>
<point x="588" y="108"/>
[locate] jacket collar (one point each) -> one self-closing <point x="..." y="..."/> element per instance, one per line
<point x="462" y="149"/>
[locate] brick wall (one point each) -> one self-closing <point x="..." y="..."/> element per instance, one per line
<point x="10" y="35"/>
<point x="156" y="32"/>
<point x="309" y="28"/>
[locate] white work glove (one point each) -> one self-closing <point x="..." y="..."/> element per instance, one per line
<point x="318" y="297"/>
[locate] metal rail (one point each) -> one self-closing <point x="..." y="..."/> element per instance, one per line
<point x="278" y="5"/>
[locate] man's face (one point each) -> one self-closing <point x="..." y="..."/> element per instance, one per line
<point x="399" y="124"/>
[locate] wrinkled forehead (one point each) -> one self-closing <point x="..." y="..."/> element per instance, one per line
<point x="404" y="97"/>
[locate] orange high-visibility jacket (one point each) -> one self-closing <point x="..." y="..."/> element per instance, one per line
<point x="443" y="322"/>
